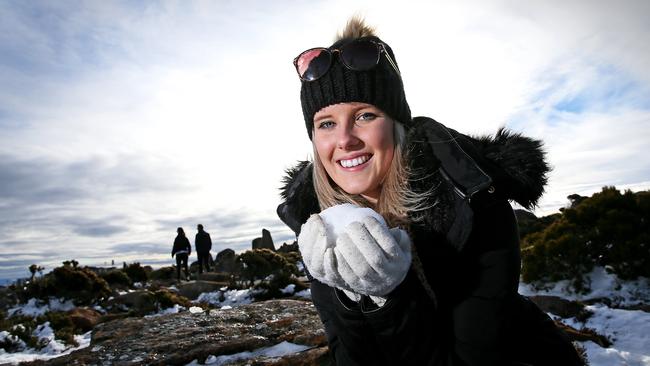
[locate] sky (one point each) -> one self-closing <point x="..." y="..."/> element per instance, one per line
<point x="122" y="120"/>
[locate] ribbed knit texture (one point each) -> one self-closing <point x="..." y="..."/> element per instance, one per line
<point x="380" y="86"/>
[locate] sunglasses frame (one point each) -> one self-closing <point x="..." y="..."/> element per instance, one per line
<point x="381" y="48"/>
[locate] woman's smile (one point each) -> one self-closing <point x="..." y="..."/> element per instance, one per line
<point x="355" y="163"/>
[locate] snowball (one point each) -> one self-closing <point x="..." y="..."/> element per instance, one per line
<point x="336" y="218"/>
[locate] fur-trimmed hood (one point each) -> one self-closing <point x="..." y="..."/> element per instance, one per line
<point x="459" y="169"/>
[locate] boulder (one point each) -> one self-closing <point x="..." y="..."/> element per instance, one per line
<point x="84" y="318"/>
<point x="193" y="289"/>
<point x="225" y="261"/>
<point x="289" y="248"/>
<point x="139" y="302"/>
<point x="265" y="242"/>
<point x="178" y="339"/>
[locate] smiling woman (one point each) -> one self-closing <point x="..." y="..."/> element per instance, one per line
<point x="433" y="280"/>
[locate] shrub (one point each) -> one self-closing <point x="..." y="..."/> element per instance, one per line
<point x="69" y="281"/>
<point x="609" y="229"/>
<point x="164" y="273"/>
<point x="258" y="264"/>
<point x="116" y="277"/>
<point x="136" y="272"/>
<point x="167" y="299"/>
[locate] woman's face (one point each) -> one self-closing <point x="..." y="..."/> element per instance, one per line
<point x="355" y="144"/>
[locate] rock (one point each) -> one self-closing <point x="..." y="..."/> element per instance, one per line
<point x="84" y="318"/>
<point x="265" y="242"/>
<point x="193" y="289"/>
<point x="288" y="248"/>
<point x="225" y="261"/>
<point x="558" y="306"/>
<point x="177" y="339"/>
<point x="140" y="302"/>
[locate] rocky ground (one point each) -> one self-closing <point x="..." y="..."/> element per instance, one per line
<point x="204" y="322"/>
<point x="179" y="339"/>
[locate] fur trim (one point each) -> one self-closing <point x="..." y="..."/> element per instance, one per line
<point x="299" y="196"/>
<point x="522" y="171"/>
<point x="355" y="28"/>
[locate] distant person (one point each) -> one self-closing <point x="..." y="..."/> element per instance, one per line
<point x="203" y="244"/>
<point x="182" y="250"/>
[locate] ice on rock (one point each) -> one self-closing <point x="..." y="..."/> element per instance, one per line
<point x="336" y="218"/>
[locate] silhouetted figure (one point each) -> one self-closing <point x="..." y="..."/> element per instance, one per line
<point x="203" y="244"/>
<point x="182" y="250"/>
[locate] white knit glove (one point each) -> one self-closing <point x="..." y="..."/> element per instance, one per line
<point x="366" y="258"/>
<point x="318" y="253"/>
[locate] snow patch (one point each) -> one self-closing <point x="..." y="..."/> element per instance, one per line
<point x="306" y="293"/>
<point x="52" y="349"/>
<point x="173" y="310"/>
<point x="290" y="289"/>
<point x="230" y="298"/>
<point x="35" y="307"/>
<point x="629" y="330"/>
<point x="603" y="285"/>
<point x="196" y="310"/>
<point x="278" y="350"/>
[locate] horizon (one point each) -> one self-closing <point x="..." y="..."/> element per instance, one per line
<point x="121" y="121"/>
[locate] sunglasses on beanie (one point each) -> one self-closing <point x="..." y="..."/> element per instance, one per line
<point x="358" y="55"/>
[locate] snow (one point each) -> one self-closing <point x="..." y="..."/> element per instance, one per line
<point x="52" y="349"/>
<point x="603" y="285"/>
<point x="304" y="293"/>
<point x="231" y="297"/>
<point x="290" y="289"/>
<point x="196" y="310"/>
<point x="35" y="307"/>
<point x="172" y="310"/>
<point x="278" y="350"/>
<point x="628" y="330"/>
<point x="336" y="218"/>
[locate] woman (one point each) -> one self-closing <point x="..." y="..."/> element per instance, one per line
<point x="438" y="284"/>
<point x="182" y="249"/>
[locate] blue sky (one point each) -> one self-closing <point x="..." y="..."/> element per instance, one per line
<point x="120" y="121"/>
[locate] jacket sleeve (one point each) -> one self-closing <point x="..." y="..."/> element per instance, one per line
<point x="489" y="288"/>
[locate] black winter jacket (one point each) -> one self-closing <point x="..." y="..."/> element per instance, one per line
<point x="462" y="306"/>
<point x="181" y="243"/>
<point x="203" y="242"/>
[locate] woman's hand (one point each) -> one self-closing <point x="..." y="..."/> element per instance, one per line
<point x="372" y="259"/>
<point x="367" y="258"/>
<point x="317" y="252"/>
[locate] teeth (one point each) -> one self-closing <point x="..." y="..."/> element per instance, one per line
<point x="354" y="162"/>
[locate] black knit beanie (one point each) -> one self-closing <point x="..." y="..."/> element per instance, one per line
<point x="380" y="86"/>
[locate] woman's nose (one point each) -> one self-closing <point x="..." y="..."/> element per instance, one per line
<point x="347" y="138"/>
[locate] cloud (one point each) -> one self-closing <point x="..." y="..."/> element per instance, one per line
<point x="122" y="121"/>
<point x="98" y="229"/>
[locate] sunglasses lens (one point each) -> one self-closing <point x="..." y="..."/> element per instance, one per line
<point x="313" y="63"/>
<point x="360" y="55"/>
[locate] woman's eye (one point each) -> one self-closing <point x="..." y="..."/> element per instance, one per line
<point x="325" y="124"/>
<point x="367" y="116"/>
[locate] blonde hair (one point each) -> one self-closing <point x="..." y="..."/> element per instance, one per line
<point x="396" y="199"/>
